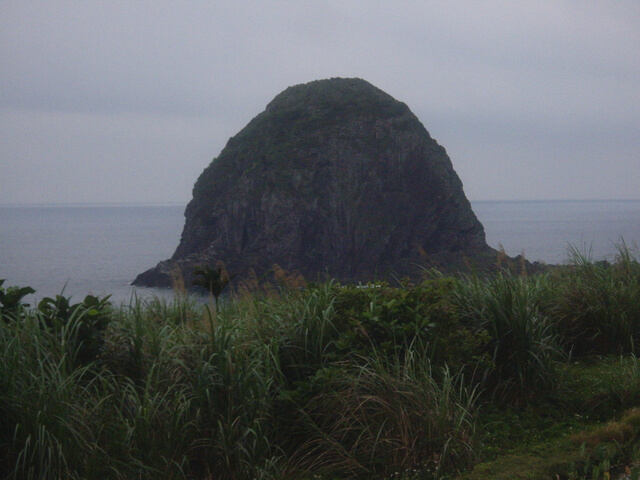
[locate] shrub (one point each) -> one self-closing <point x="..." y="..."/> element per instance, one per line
<point x="11" y="304"/>
<point x="389" y="320"/>
<point x="80" y="326"/>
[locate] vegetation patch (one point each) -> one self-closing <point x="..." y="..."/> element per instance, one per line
<point x="469" y="378"/>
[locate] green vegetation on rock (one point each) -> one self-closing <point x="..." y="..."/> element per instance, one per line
<point x="335" y="179"/>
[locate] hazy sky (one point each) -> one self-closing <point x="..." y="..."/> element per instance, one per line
<point x="128" y="101"/>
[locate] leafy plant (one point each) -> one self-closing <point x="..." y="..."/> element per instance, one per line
<point x="11" y="300"/>
<point x="80" y="325"/>
<point x="213" y="280"/>
<point x="389" y="320"/>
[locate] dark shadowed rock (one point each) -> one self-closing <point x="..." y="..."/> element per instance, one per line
<point x="335" y="177"/>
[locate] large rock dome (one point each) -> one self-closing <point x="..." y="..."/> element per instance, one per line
<point x="334" y="178"/>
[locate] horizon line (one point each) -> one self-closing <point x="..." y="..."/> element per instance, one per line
<point x="177" y="203"/>
<point x="95" y="204"/>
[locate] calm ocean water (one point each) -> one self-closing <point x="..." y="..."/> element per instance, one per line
<point x="543" y="230"/>
<point x="101" y="249"/>
<point x="86" y="249"/>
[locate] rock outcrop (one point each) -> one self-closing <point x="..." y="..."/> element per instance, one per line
<point x="334" y="178"/>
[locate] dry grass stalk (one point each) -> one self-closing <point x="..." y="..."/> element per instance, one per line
<point x="291" y="280"/>
<point x="177" y="281"/>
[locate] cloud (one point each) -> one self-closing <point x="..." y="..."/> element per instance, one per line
<point x="136" y="85"/>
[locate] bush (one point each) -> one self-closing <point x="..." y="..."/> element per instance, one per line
<point x="80" y="326"/>
<point x="11" y="304"/>
<point x="389" y="320"/>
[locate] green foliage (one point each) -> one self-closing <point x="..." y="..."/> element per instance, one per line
<point x="328" y="382"/>
<point x="610" y="450"/>
<point x="303" y="328"/>
<point x="234" y="387"/>
<point x="80" y="326"/>
<point x="598" y="304"/>
<point x="388" y="417"/>
<point x="523" y="343"/>
<point x="43" y="404"/>
<point x="11" y="304"/>
<point x="389" y="320"/>
<point x="598" y="386"/>
<point x="213" y="280"/>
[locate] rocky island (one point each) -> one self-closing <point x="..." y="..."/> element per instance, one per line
<point x="335" y="178"/>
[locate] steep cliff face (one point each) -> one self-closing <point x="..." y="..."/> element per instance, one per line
<point x="334" y="177"/>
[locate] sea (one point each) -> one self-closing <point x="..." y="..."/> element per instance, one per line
<point x="76" y="250"/>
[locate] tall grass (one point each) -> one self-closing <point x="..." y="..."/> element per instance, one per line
<point x="234" y="383"/>
<point x="598" y="308"/>
<point x="523" y="345"/>
<point x="386" y="417"/>
<point x="303" y="330"/>
<point x="327" y="380"/>
<point x="46" y="404"/>
<point x="159" y="403"/>
<point x="179" y="391"/>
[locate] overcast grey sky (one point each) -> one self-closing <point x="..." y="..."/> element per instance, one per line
<point x="128" y="101"/>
